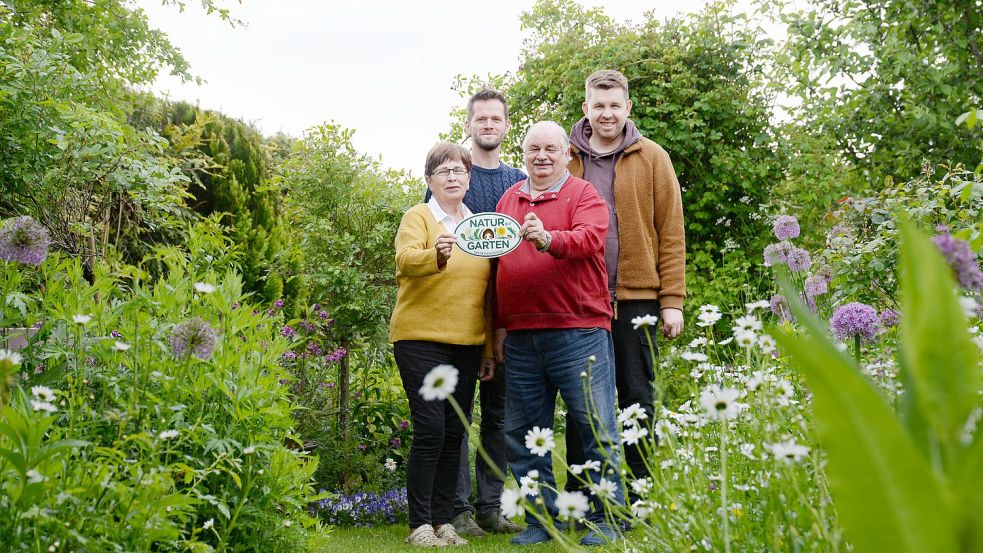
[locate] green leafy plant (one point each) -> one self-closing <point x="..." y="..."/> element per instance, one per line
<point x="904" y="481"/>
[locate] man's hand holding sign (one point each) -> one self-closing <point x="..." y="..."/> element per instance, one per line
<point x="533" y="231"/>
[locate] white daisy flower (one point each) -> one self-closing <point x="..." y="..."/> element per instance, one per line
<point x="168" y="434"/>
<point x="641" y="509"/>
<point x="725" y="341"/>
<point x="745" y="338"/>
<point x="10" y="357"/>
<point x="665" y="428"/>
<point x="121" y="346"/>
<point x="694" y="356"/>
<point x="439" y="383"/>
<point x="208" y="524"/>
<point x="390" y="464"/>
<point x="540" y="441"/>
<point x="760" y="304"/>
<point x="747" y="450"/>
<point x="767" y="344"/>
<point x="644" y="321"/>
<point x="720" y="403"/>
<point x="45" y="406"/>
<point x="511" y="504"/>
<point x="698" y="342"/>
<point x="641" y="486"/>
<point x="785" y="391"/>
<point x="249" y="450"/>
<point x="571" y="505"/>
<point x="81" y="319"/>
<point x="631" y="435"/>
<point x="43" y="393"/>
<point x="788" y="451"/>
<point x="604" y="489"/>
<point x="204" y="288"/>
<point x="748" y="322"/>
<point x="632" y="414"/>
<point x="528" y="486"/>
<point x="34" y="477"/>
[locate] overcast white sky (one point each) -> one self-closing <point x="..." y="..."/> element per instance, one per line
<point x="383" y="68"/>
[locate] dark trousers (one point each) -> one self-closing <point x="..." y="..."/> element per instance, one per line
<point x="634" y="374"/>
<point x="491" y="396"/>
<point x="432" y="468"/>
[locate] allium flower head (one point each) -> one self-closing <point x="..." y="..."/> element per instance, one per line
<point x="855" y="319"/>
<point x="24" y="240"/>
<point x="798" y="260"/>
<point x="962" y="260"/>
<point x="539" y="441"/>
<point x="786" y="227"/>
<point x="571" y="505"/>
<point x="779" y="306"/>
<point x="777" y="254"/>
<point x="194" y="337"/>
<point x="816" y="285"/>
<point x="439" y="383"/>
<point x="890" y="318"/>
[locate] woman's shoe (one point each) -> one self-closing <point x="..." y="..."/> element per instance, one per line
<point x="423" y="536"/>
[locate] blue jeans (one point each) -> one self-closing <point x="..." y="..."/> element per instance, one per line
<point x="541" y="363"/>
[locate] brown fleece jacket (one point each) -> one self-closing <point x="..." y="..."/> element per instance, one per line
<point x="652" y="260"/>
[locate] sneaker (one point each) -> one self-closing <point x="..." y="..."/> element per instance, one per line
<point x="423" y="536"/>
<point x="447" y="533"/>
<point x="465" y="525"/>
<point x="602" y="535"/>
<point x="495" y="523"/>
<point x="532" y="534"/>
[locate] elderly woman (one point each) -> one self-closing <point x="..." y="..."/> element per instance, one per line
<point x="441" y="318"/>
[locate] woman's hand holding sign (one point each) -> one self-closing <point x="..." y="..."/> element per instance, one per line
<point x="533" y="231"/>
<point x="444" y="246"/>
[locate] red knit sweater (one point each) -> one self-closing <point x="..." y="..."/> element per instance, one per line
<point x="566" y="287"/>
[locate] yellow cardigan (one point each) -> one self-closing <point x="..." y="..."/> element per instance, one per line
<point x="449" y="305"/>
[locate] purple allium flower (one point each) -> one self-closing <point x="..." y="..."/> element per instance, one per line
<point x="289" y="356"/>
<point x="195" y="337"/>
<point x="322" y="314"/>
<point x="314" y="349"/>
<point x="278" y="304"/>
<point x="962" y="260"/>
<point x="307" y="326"/>
<point x="779" y="306"/>
<point x="855" y="319"/>
<point x="816" y="285"/>
<point x="890" y="317"/>
<point x="777" y="254"/>
<point x="394" y="442"/>
<point x="288" y="331"/>
<point x="38" y="325"/>
<point x="798" y="260"/>
<point x="362" y="447"/>
<point x="786" y="227"/>
<point x="330" y="385"/>
<point x="24" y="240"/>
<point x="39" y="369"/>
<point x="235" y="306"/>
<point x="90" y="360"/>
<point x="116" y="334"/>
<point x="404" y="424"/>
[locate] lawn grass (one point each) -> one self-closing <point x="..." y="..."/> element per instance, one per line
<point x="386" y="539"/>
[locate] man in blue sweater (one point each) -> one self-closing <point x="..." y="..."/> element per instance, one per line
<point x="487" y="124"/>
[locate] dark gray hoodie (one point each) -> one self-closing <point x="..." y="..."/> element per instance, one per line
<point x="599" y="170"/>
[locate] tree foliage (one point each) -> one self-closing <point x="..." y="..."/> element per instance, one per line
<point x="884" y="81"/>
<point x="698" y="90"/>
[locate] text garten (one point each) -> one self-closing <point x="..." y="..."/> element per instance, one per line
<point x="489" y="245"/>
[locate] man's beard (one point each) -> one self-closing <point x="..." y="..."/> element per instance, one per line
<point x="485" y="144"/>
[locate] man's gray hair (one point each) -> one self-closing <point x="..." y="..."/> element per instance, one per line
<point x="552" y="125"/>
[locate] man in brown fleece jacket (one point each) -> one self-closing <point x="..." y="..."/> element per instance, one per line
<point x="645" y="252"/>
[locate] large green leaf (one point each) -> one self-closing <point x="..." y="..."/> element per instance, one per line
<point x="966" y="484"/>
<point x="886" y="493"/>
<point x="938" y="358"/>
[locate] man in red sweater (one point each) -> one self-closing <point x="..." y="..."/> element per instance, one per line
<point x="554" y="307"/>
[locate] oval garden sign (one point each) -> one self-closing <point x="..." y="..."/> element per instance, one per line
<point x="488" y="235"/>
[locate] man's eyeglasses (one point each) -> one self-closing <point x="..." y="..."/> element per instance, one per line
<point x="459" y="171"/>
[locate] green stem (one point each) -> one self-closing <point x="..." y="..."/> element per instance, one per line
<point x="723" y="484"/>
